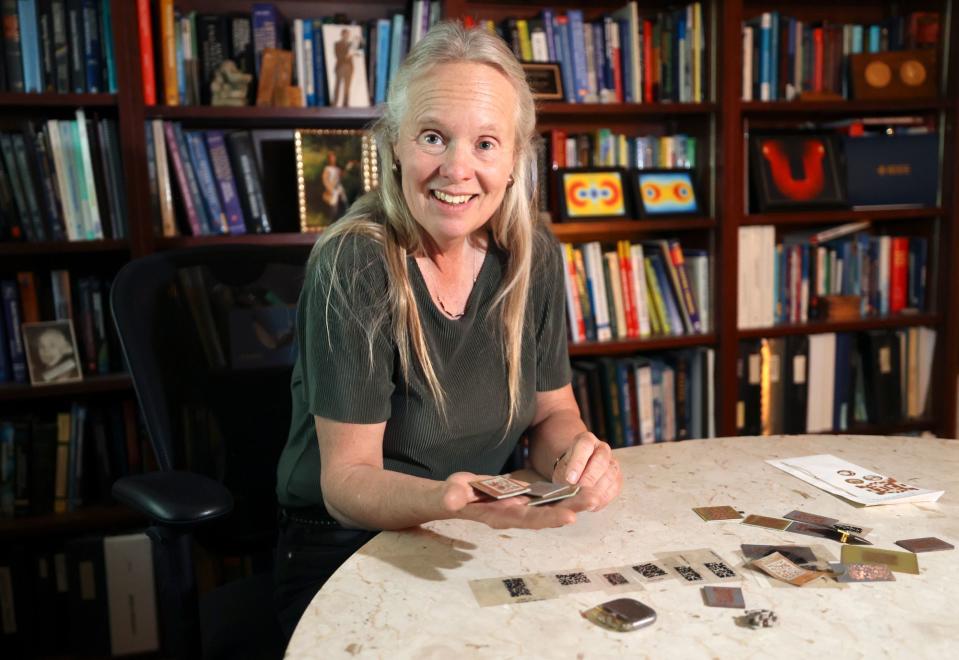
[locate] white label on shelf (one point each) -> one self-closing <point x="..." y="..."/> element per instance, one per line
<point x="754" y="369"/>
<point x="88" y="586"/>
<point x="885" y="360"/>
<point x="799" y="369"/>
<point x="773" y="368"/>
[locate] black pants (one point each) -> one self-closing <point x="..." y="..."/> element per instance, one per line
<point x="310" y="547"/>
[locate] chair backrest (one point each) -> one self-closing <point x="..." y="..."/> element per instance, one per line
<point x="207" y="334"/>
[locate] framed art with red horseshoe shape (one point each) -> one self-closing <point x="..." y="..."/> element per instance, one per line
<point x="796" y="171"/>
<point x="593" y="194"/>
<point x="665" y="192"/>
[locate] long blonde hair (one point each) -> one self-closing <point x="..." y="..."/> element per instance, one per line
<point x="384" y="216"/>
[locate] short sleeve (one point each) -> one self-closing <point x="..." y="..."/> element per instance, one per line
<point x="552" y="350"/>
<point x="346" y="356"/>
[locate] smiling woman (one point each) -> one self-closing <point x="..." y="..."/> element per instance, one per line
<point x="431" y="329"/>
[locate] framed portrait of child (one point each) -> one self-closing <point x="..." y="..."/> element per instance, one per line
<point x="52" y="355"/>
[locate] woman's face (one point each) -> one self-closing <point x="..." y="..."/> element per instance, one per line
<point x="455" y="148"/>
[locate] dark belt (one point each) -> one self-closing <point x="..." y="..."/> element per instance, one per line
<point x="314" y="516"/>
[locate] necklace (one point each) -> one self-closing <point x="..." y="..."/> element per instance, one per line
<point x="439" y="300"/>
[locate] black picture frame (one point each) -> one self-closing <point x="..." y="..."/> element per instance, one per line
<point x="776" y="157"/>
<point x="620" y="208"/>
<point x="545" y="80"/>
<point x="686" y="201"/>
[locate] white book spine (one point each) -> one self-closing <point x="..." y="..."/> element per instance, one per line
<point x="747" y="63"/>
<point x="639" y="287"/>
<point x="540" y="49"/>
<point x="63" y="182"/>
<point x="593" y="254"/>
<point x="168" y="218"/>
<point x="131" y="594"/>
<point x="299" y="54"/>
<point x="644" y="398"/>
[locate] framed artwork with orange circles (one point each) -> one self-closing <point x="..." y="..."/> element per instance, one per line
<point x="593" y="194"/>
<point x="664" y="192"/>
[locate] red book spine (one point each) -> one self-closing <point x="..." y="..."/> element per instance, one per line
<point x="898" y="273"/>
<point x="557" y="144"/>
<point x="629" y="294"/>
<point x="146" y="52"/>
<point x="648" y="75"/>
<point x="615" y="54"/>
<point x="817" y="59"/>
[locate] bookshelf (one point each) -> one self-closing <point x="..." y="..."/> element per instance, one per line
<point x="720" y="122"/>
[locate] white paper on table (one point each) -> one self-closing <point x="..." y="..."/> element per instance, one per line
<point x="853" y="482"/>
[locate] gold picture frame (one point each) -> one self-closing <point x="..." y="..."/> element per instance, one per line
<point x="333" y="168"/>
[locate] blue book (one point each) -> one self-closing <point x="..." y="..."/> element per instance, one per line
<point x="216" y="218"/>
<point x="918" y="254"/>
<point x="319" y="63"/>
<point x="10" y="297"/>
<point x="873" y="43"/>
<point x="91" y="47"/>
<point x="623" y="367"/>
<point x="842" y="383"/>
<point x="309" y="90"/>
<point x="599" y="60"/>
<point x="226" y="182"/>
<point x="106" y="40"/>
<point x="266" y="30"/>
<point x="666" y="289"/>
<point x="8" y="469"/>
<point x="190" y="178"/>
<point x="566" y="58"/>
<point x="547" y="15"/>
<point x="6" y="371"/>
<point x="397" y="50"/>
<point x="626" y="44"/>
<point x="30" y="46"/>
<point x="382" y="60"/>
<point x="577" y="49"/>
<point x="656" y="373"/>
<point x="180" y="61"/>
<point x="765" y="57"/>
<point x="774" y="57"/>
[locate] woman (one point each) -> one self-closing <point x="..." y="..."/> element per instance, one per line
<point x="431" y="329"/>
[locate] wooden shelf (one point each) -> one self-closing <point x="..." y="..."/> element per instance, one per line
<point x="89" y="385"/>
<point x="178" y="242"/>
<point x="616" y="229"/>
<point x="639" y="345"/>
<point x="600" y="110"/>
<point x="840" y="107"/>
<point x="907" y="426"/>
<point x="10" y="100"/>
<point x="96" y="518"/>
<point x="841" y="215"/>
<point x="60" y="247"/>
<point x="261" y="116"/>
<point x="900" y="321"/>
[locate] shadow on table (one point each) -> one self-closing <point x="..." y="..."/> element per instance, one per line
<point x="422" y="553"/>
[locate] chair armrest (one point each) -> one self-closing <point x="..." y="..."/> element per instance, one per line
<point x="174" y="498"/>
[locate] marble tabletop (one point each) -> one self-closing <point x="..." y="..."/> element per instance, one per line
<point x="407" y="595"/>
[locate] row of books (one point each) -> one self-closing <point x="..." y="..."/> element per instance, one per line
<point x="58" y="462"/>
<point x="790" y="280"/>
<point x="784" y="56"/>
<point x="91" y="595"/>
<point x="604" y="148"/>
<point x="622" y="57"/>
<point x="215" y="176"/>
<point x="637" y="290"/>
<point x="190" y="48"/>
<point x="645" y="399"/>
<point x="34" y="298"/>
<point x="833" y="381"/>
<point x="62" y="180"/>
<point x="58" y="46"/>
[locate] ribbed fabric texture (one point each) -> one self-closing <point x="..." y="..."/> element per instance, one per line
<point x="347" y="383"/>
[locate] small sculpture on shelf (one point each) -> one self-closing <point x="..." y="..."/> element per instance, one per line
<point x="230" y="86"/>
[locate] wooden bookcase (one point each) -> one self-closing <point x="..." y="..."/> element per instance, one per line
<point x="719" y="121"/>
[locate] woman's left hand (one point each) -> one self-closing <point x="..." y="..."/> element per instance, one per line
<point x="589" y="462"/>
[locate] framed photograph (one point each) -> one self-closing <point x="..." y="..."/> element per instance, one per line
<point x="333" y="168"/>
<point x="796" y="171"/>
<point x="661" y="192"/>
<point x="52" y="355"/>
<point x="545" y="79"/>
<point x="344" y="53"/>
<point x="592" y="194"/>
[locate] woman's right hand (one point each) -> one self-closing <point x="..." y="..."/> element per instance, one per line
<point x="461" y="500"/>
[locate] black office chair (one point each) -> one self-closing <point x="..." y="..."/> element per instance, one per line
<point x="208" y="337"/>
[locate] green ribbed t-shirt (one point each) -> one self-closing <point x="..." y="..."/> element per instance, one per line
<point x="338" y="377"/>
